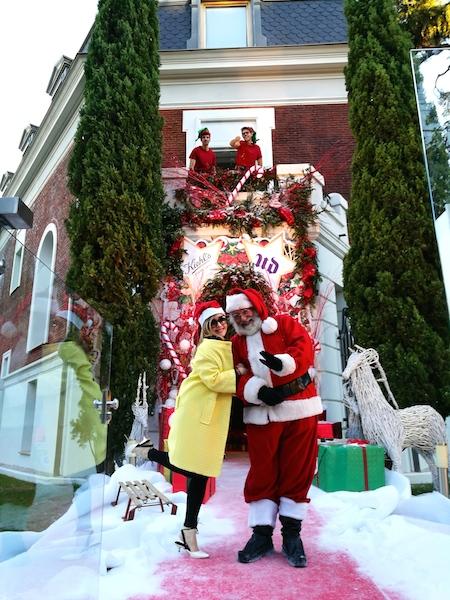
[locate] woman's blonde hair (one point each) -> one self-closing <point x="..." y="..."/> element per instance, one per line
<point x="206" y="330"/>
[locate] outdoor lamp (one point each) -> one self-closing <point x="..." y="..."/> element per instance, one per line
<point x="15" y="214"/>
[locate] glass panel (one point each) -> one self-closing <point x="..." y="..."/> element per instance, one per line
<point x="431" y="68"/>
<point x="432" y="79"/>
<point x="52" y="439"/>
<point x="226" y="26"/>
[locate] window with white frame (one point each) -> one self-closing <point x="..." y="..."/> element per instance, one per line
<point x="225" y="24"/>
<point x="42" y="289"/>
<point x="28" y="418"/>
<point x="16" y="271"/>
<point x="6" y="361"/>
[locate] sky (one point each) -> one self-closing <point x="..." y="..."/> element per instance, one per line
<point x="379" y="544"/>
<point x="34" y="34"/>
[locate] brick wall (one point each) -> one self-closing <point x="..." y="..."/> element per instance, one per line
<point x="50" y="206"/>
<point x="319" y="135"/>
<point x="174" y="139"/>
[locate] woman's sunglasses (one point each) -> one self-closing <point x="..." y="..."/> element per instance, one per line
<point x="219" y="321"/>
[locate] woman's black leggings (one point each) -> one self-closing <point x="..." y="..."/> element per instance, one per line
<point x="195" y="489"/>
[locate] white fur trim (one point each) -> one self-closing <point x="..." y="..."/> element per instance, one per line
<point x="236" y="302"/>
<point x="209" y="312"/>
<point x="254" y="345"/>
<point x="251" y="389"/>
<point x="269" y="325"/>
<point x="288" y="366"/>
<point x="262" y="512"/>
<point x="290" y="508"/>
<point x="289" y="410"/>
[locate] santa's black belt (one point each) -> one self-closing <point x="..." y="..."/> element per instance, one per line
<point x="295" y="386"/>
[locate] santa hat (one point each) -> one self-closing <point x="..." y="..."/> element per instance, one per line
<point x="238" y="299"/>
<point x="203" y="131"/>
<point x="204" y="310"/>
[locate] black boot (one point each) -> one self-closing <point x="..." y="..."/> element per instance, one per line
<point x="292" y="542"/>
<point x="258" y="545"/>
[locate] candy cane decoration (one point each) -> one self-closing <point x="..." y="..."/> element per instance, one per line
<point x="165" y="327"/>
<point x="253" y="169"/>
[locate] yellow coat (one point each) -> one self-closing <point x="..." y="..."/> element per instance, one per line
<point x="200" y="422"/>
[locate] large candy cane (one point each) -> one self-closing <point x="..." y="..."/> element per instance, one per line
<point x="165" y="327"/>
<point x="253" y="169"/>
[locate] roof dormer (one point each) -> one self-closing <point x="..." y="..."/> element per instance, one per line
<point x="28" y="135"/>
<point x="6" y="178"/>
<point x="59" y="74"/>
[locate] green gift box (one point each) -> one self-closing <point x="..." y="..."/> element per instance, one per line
<point x="349" y="467"/>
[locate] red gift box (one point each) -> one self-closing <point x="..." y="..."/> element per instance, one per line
<point x="329" y="431"/>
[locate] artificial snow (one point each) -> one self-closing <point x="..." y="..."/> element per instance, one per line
<point x="400" y="542"/>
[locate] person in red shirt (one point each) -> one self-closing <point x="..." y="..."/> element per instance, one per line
<point x="202" y="159"/>
<point x="248" y="152"/>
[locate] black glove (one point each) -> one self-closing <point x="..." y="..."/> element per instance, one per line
<point x="271" y="361"/>
<point x="270" y="396"/>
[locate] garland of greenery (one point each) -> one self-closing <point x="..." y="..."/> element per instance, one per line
<point x="205" y="205"/>
<point x="241" y="276"/>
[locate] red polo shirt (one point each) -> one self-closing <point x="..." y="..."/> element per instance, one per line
<point x="247" y="154"/>
<point x="205" y="160"/>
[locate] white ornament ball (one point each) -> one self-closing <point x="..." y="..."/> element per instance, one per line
<point x="184" y="346"/>
<point x="165" y="364"/>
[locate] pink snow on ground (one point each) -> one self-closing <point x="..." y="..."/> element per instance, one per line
<point x="221" y="577"/>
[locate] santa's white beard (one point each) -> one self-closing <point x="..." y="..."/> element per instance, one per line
<point x="250" y="328"/>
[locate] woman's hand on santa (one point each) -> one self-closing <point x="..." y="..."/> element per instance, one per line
<point x="270" y="396"/>
<point x="240" y="369"/>
<point x="271" y="361"/>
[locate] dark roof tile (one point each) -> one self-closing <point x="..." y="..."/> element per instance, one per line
<point x="297" y="22"/>
<point x="284" y="23"/>
<point x="174" y="26"/>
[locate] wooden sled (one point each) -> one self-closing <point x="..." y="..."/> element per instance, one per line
<point x="140" y="495"/>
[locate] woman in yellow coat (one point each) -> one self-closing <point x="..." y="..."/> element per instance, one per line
<point x="200" y="422"/>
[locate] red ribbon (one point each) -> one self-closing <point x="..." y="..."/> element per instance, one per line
<point x="358" y="441"/>
<point x="366" y="470"/>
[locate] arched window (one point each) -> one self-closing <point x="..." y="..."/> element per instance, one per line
<point x="42" y="289"/>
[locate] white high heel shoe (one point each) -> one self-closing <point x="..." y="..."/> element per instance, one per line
<point x="189" y="543"/>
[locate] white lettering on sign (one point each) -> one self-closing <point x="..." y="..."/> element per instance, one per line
<point x="196" y="263"/>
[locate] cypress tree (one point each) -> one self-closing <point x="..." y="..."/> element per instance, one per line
<point x="392" y="279"/>
<point x="114" y="224"/>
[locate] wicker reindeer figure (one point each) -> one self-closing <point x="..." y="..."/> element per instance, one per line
<point x="383" y="423"/>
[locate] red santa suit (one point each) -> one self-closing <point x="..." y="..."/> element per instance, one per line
<point x="282" y="439"/>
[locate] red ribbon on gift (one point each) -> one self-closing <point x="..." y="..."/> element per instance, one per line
<point x="363" y="444"/>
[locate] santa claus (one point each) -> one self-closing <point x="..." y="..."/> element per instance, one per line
<point x="281" y="408"/>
